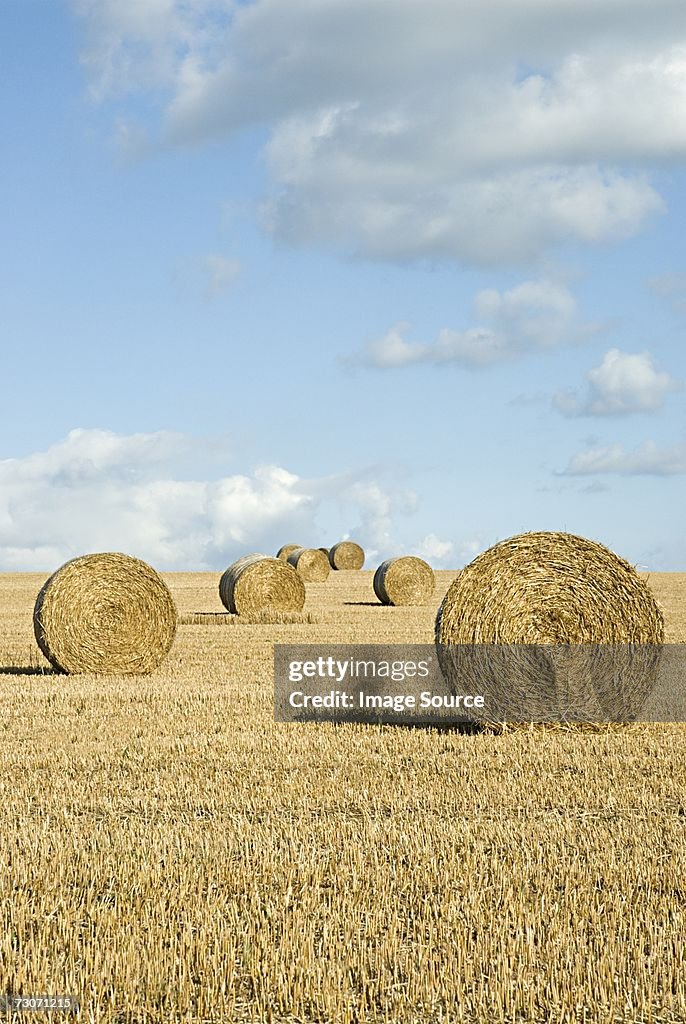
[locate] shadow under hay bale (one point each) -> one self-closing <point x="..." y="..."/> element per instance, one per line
<point x="268" y="617"/>
<point x="404" y="581"/>
<point x="105" y="613"/>
<point x="257" y="583"/>
<point x="311" y="564"/>
<point x="29" y="670"/>
<point x="346" y="555"/>
<point x="552" y="627"/>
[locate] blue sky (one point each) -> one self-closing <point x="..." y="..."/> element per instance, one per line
<point x="294" y="270"/>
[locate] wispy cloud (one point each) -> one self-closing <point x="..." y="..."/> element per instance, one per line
<point x="220" y="274"/>
<point x="646" y="460"/>
<point x="533" y="316"/>
<point x="436" y="552"/>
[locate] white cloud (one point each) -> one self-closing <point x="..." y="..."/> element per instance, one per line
<point x="392" y="350"/>
<point x="509" y="217"/>
<point x="478" y="132"/>
<point x="622" y="384"/>
<point x="85" y="456"/>
<point x="532" y="316"/>
<point x="96" y="490"/>
<point x="376" y="520"/>
<point x="646" y="460"/>
<point x="142" y="44"/>
<point x="438" y="553"/>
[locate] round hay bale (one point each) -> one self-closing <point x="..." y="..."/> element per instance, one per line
<point x="404" y="581"/>
<point x="311" y="564"/>
<point x="105" y="613"/>
<point x="285" y="550"/>
<point x="326" y="552"/>
<point x="257" y="583"/>
<point x="574" y="630"/>
<point x="346" y="555"/>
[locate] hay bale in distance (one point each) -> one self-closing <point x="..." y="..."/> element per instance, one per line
<point x="105" y="613"/>
<point x="326" y="552"/>
<point x="311" y="564"/>
<point x="257" y="583"/>
<point x="404" y="581"/>
<point x="346" y="555"/>
<point x="595" y="623"/>
<point x="285" y="550"/>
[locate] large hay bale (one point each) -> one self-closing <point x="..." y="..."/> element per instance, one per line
<point x="404" y="581"/>
<point x="257" y="583"/>
<point x="285" y="550"/>
<point x="346" y="555"/>
<point x="105" y="613"/>
<point x="574" y="630"/>
<point x="311" y="564"/>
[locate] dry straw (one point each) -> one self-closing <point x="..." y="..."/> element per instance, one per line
<point x="592" y="618"/>
<point x="404" y="581"/>
<point x="105" y="613"/>
<point x="311" y="564"/>
<point x="257" y="583"/>
<point x="285" y="550"/>
<point x="346" y="555"/>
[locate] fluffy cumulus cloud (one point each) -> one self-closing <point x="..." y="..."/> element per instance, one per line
<point x="482" y="133"/>
<point x="96" y="490"/>
<point x="532" y="316"/>
<point x="622" y="384"/>
<point x="647" y="460"/>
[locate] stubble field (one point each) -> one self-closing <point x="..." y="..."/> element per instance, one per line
<point x="170" y="853"/>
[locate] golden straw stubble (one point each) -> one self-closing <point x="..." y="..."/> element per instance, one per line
<point x="256" y="583"/>
<point x="406" y="580"/>
<point x="346" y="555"/>
<point x="311" y="564"/>
<point x="105" y="613"/>
<point x="573" y="628"/>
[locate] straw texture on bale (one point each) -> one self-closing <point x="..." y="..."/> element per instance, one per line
<point x="285" y="550"/>
<point x="105" y="613"/>
<point x="311" y="564"/>
<point x="594" y="627"/>
<point x="404" y="581"/>
<point x="256" y="583"/>
<point x="346" y="555"/>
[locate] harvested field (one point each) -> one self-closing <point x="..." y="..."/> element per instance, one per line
<point x="172" y="854"/>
